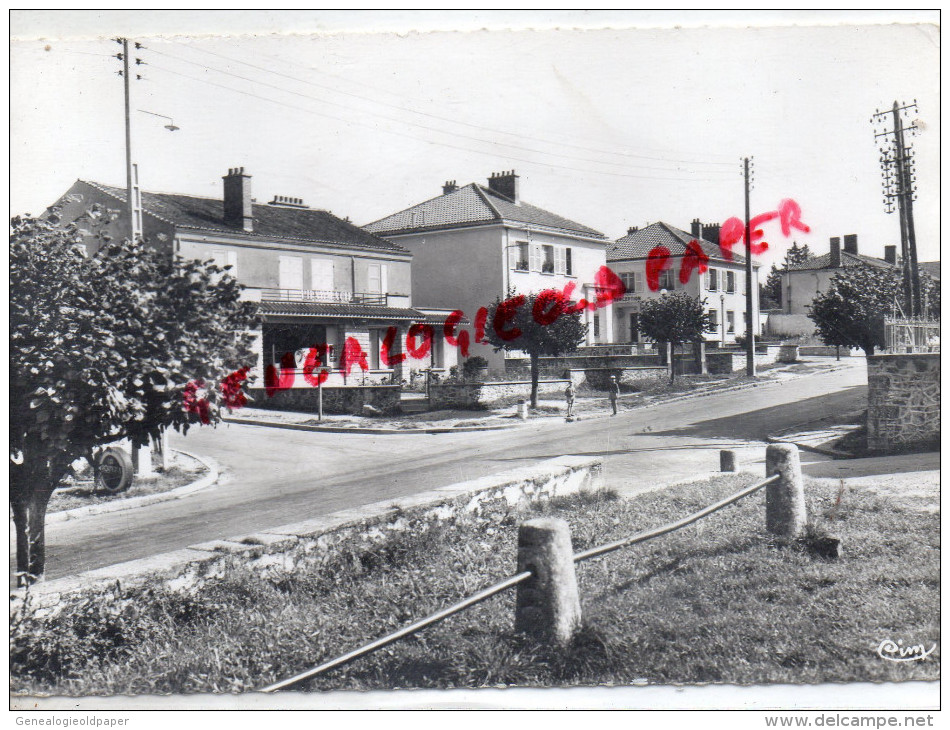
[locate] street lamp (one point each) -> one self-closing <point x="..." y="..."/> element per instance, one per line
<point x="171" y="127"/>
<point x="722" y="317"/>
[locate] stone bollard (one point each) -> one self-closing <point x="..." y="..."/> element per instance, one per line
<point x="727" y="460"/>
<point x="547" y="605"/>
<point x="523" y="409"/>
<point x="785" y="512"/>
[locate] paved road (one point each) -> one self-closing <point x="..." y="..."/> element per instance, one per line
<point x="273" y="477"/>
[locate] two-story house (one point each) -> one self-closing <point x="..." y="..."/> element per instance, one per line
<point x="722" y="285"/>
<point x="802" y="281"/>
<point x="319" y="279"/>
<point x="473" y="244"/>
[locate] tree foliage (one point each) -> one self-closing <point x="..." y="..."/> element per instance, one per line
<point x="676" y="318"/>
<point x="851" y="313"/>
<point x="539" y="324"/>
<point x="108" y="347"/>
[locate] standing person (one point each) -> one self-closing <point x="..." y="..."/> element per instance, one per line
<point x="613" y="391"/>
<point x="569" y="393"/>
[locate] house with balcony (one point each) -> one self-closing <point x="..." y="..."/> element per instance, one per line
<point x="722" y="285"/>
<point x="318" y="278"/>
<point x="473" y="244"/>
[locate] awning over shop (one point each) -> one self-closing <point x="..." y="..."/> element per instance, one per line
<point x="330" y="310"/>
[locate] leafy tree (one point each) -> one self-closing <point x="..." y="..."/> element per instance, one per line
<point x="545" y="323"/>
<point x="676" y="318"/>
<point x="118" y="345"/>
<point x="851" y="313"/>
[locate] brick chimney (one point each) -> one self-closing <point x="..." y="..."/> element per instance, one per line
<point x="237" y="199"/>
<point x="835" y="253"/>
<point x="851" y="243"/>
<point x="710" y="232"/>
<point x="505" y="183"/>
<point x="696" y="228"/>
<point x="890" y="254"/>
<point x="449" y="187"/>
<point x="632" y="229"/>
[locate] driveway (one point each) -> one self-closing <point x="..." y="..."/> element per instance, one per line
<point x="272" y="477"/>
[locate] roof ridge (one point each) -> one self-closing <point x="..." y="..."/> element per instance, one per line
<point x="484" y="197"/>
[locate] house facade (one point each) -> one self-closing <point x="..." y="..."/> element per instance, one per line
<point x="318" y="279"/>
<point x="802" y="281"/>
<point x="721" y="286"/>
<point x="475" y="243"/>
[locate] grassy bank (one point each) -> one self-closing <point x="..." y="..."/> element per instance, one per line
<point x="719" y="601"/>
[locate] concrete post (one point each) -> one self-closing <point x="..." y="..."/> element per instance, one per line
<point x="785" y="512"/>
<point x="547" y="605"/>
<point x="699" y="352"/>
<point x="727" y="460"/>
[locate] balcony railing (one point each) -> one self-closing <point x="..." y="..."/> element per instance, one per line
<point x="315" y="295"/>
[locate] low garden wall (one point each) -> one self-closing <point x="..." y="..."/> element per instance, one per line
<point x="822" y="351"/>
<point x="308" y="544"/>
<point x="556" y="366"/>
<point x="336" y="399"/>
<point x="903" y="401"/>
<point x="477" y="395"/>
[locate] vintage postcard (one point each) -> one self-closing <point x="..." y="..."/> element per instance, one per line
<point x="525" y="360"/>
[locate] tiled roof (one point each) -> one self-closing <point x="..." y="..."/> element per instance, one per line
<point x="847" y="260"/>
<point x="473" y="204"/>
<point x="340" y="311"/>
<point x="637" y="245"/>
<point x="270" y="221"/>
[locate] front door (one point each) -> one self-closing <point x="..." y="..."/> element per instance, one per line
<point x="634" y="327"/>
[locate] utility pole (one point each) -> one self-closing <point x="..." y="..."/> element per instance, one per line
<point x="749" y="309"/>
<point x="132" y="191"/>
<point x="898" y="181"/>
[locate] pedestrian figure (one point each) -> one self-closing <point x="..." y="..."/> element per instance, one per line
<point x="570" y="392"/>
<point x="613" y="390"/>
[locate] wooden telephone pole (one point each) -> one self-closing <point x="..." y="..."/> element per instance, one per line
<point x="132" y="191"/>
<point x="898" y="178"/>
<point x="749" y="309"/>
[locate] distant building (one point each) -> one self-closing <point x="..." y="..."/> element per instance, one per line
<point x="472" y="244"/>
<point x="318" y="278"/>
<point x="802" y="281"/>
<point x="722" y="286"/>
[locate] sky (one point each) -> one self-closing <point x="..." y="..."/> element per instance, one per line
<point x="365" y="114"/>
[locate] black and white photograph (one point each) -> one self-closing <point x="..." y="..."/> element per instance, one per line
<point x="526" y="360"/>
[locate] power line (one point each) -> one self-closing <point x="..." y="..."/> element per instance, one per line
<point x="441" y="118"/>
<point x="428" y="141"/>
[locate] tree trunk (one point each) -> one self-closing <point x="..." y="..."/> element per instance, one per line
<point x="534" y="379"/>
<point x="29" y="516"/>
<point x="672" y="361"/>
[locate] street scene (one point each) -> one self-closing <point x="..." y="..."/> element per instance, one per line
<point x="457" y="359"/>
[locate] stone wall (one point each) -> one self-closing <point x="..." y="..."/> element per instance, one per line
<point x="823" y="351"/>
<point x="350" y="399"/>
<point x="903" y="402"/>
<point x="306" y="545"/>
<point x="555" y="366"/>
<point x="479" y="395"/>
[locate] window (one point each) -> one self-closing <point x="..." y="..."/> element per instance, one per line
<point x="560" y="260"/>
<point x="569" y="266"/>
<point x="224" y="258"/>
<point x="740" y="282"/>
<point x="730" y="282"/>
<point x="547" y="259"/>
<point x="629" y="280"/>
<point x="730" y="322"/>
<point x="291" y="272"/>
<point x="667" y="280"/>
<point x="534" y="260"/>
<point x="596" y="327"/>
<point x="518" y="256"/>
<point x="376" y="279"/>
<point x="714" y="317"/>
<point x="713" y="281"/>
<point x="321" y="275"/>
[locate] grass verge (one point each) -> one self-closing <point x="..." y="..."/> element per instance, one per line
<point x="182" y="470"/>
<point x="719" y="601"/>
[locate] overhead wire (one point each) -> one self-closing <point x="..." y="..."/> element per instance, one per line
<point x="426" y="127"/>
<point x="450" y="120"/>
<point x="430" y="141"/>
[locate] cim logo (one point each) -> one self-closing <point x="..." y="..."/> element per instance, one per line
<point x="897" y="652"/>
